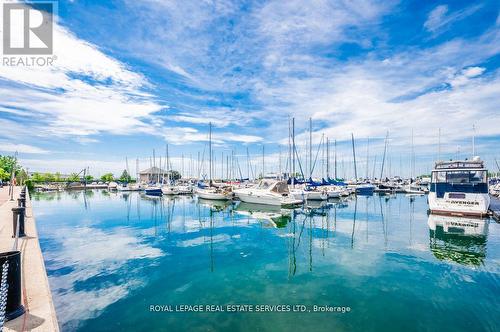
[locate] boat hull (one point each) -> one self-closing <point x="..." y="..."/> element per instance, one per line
<point x="472" y="204"/>
<point x="213" y="195"/>
<point x="266" y="199"/>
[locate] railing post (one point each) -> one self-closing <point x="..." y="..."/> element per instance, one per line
<point x="18" y="216"/>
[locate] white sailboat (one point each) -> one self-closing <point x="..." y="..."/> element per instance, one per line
<point x="208" y="191"/>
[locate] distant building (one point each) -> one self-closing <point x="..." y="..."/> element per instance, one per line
<point x="152" y="174"/>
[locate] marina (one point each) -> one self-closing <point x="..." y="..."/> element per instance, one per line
<point x="226" y="166"/>
<point x="118" y="253"/>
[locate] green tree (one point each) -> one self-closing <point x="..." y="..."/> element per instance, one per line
<point x="73" y="177"/>
<point x="4" y="175"/>
<point x="89" y="178"/>
<point x="125" y="177"/>
<point x="49" y="177"/>
<point x="7" y="163"/>
<point x="37" y="177"/>
<point x="108" y="177"/>
<point x="58" y="177"/>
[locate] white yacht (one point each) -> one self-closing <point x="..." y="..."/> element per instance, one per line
<point x="268" y="192"/>
<point x="459" y="188"/>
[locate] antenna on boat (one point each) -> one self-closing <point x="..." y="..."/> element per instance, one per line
<point x="439" y="144"/>
<point x="473" y="140"/>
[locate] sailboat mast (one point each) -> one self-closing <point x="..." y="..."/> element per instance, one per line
<point x="210" y="152"/>
<point x="367" y="156"/>
<point x="310" y="147"/>
<point x="293" y="153"/>
<point x="383" y="158"/>
<point x="354" y="157"/>
<point x="248" y="164"/>
<point x="327" y="158"/>
<point x="154" y="162"/>
<point x="289" y="147"/>
<point x="263" y="161"/>
<point x="335" y="158"/>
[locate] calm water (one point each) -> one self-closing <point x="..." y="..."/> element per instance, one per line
<point x="111" y="256"/>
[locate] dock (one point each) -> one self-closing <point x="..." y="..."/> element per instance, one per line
<point x="495" y="208"/>
<point x="40" y="314"/>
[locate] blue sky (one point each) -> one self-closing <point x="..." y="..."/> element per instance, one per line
<point x="131" y="76"/>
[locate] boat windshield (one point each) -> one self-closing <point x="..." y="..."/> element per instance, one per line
<point x="460" y="176"/>
<point x="281" y="187"/>
<point x="264" y="185"/>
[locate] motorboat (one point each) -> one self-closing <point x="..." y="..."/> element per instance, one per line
<point x="268" y="192"/>
<point x="460" y="188"/>
<point x="153" y="190"/>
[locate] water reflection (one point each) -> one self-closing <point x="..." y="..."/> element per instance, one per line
<point x="135" y="249"/>
<point x="461" y="240"/>
<point x="276" y="216"/>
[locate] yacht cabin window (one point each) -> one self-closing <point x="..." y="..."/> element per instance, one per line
<point x="460" y="176"/>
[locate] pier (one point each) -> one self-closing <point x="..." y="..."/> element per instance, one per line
<point x="495" y="208"/>
<point x="40" y="314"/>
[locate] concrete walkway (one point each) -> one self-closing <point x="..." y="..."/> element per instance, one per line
<point x="40" y="313"/>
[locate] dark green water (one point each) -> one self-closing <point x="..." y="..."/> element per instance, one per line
<point x="110" y="257"/>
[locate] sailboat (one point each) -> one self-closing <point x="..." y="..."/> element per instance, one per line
<point x="412" y="188"/>
<point x="209" y="191"/>
<point x="168" y="188"/>
<point x="361" y="188"/>
<point x="153" y="189"/>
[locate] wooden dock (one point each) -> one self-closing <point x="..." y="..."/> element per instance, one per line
<point x="495" y="208"/>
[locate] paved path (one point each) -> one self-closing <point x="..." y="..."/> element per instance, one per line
<point x="40" y="313"/>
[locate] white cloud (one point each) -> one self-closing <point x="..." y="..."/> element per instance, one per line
<point x="6" y="146"/>
<point x="439" y="17"/>
<point x="91" y="252"/>
<point x="436" y="17"/>
<point x="464" y="76"/>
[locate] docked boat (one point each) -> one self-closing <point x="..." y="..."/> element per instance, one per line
<point x="128" y="187"/>
<point x="268" y="192"/>
<point x="184" y="189"/>
<point x="153" y="190"/>
<point x="459" y="188"/>
<point x="315" y="194"/>
<point x="169" y="190"/>
<point x="413" y="189"/>
<point x="366" y="189"/>
<point x="214" y="193"/>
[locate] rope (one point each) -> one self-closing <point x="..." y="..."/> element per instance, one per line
<point x="4" y="287"/>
